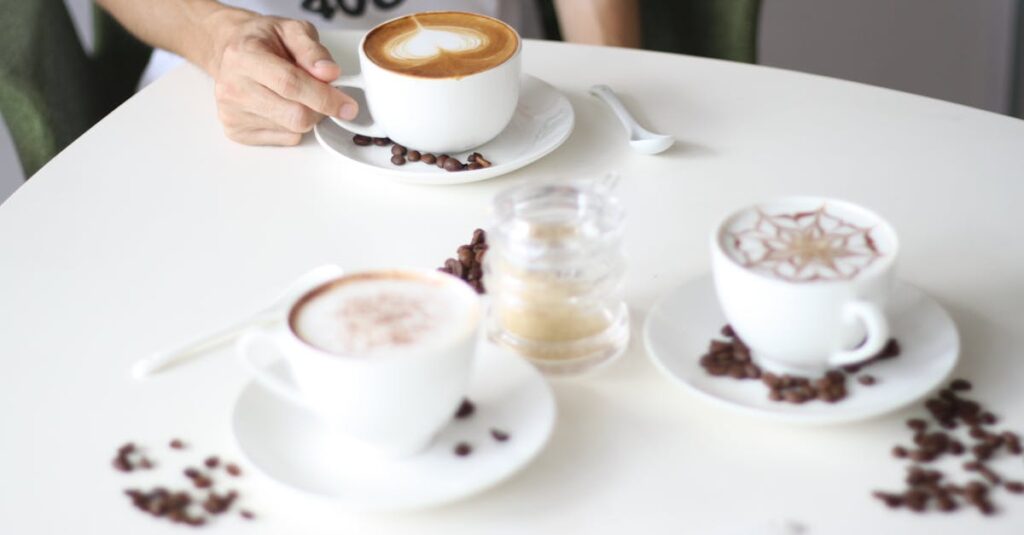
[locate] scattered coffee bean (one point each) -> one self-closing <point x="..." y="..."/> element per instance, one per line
<point x="398" y="159"/>
<point x="212" y="462"/>
<point x="469" y="266"/>
<point x="121" y="464"/>
<point x="1015" y="487"/>
<point x="192" y="473"/>
<point x="246" y="514"/>
<point x="413" y="156"/>
<point x="361" y="140"/>
<point x="381" y="141"/>
<point x="960" y="385"/>
<point x="146" y="464"/>
<point x="233" y="470"/>
<point x="452" y="165"/>
<point x="398" y="150"/>
<point x="202" y="482"/>
<point x="466" y="409"/>
<point x="216" y="504"/>
<point x="428" y="159"/>
<point x="917" y="424"/>
<point x="499" y="435"/>
<point x="441" y="159"/>
<point x="463" y="449"/>
<point x="177" y="444"/>
<point x="899" y="452"/>
<point x="484" y="162"/>
<point x="867" y="380"/>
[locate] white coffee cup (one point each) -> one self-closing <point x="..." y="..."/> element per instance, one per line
<point x="389" y="401"/>
<point x="437" y="115"/>
<point x="805" y="319"/>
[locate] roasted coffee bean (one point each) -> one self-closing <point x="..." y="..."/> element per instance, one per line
<point x="956" y="447"/>
<point x="479" y="237"/>
<point x="361" y="140"/>
<point x="246" y="514"/>
<point x="122" y="464"/>
<point x="413" y="156"/>
<point x="466" y="409"/>
<point x="484" y="162"/>
<point x="233" y="470"/>
<point x="126" y="449"/>
<point x="728" y="332"/>
<point x="988" y="474"/>
<point x="202" y="482"/>
<point x="452" y="165"/>
<point x="429" y="158"/>
<point x="192" y="473"/>
<point x="398" y="160"/>
<point x="474" y="166"/>
<point x="982" y="452"/>
<point x="463" y="449"/>
<point x="899" y="452"/>
<point x="177" y="444"/>
<point x="866" y="380"/>
<point x="977" y="433"/>
<point x="212" y="462"/>
<point x="145" y="463"/>
<point x="441" y="159"/>
<point x="381" y="141"/>
<point x="988" y="418"/>
<point x="1015" y="487"/>
<point x="398" y="150"/>
<point x="466" y="255"/>
<point x="917" y="424"/>
<point x="499" y="435"/>
<point x="472" y="157"/>
<point x="960" y="384"/>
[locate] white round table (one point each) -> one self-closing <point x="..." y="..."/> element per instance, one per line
<point x="154" y="227"/>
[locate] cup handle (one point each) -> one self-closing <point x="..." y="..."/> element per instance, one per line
<point x="876" y="326"/>
<point x="372" y="129"/>
<point x="259" y="371"/>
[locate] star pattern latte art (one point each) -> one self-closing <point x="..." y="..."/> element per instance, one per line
<point x="803" y="246"/>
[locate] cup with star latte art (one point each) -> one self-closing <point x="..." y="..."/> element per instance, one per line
<point x="804" y="281"/>
<point x="439" y="81"/>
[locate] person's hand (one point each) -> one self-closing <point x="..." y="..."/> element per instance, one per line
<point x="272" y="79"/>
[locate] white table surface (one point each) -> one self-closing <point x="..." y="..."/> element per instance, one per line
<point x="153" y="227"/>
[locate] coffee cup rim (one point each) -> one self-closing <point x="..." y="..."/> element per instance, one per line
<point x="881" y="266"/>
<point x="470" y="322"/>
<point x="363" y="54"/>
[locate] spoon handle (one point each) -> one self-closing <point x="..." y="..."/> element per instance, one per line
<point x="202" y="344"/>
<point x="606" y="94"/>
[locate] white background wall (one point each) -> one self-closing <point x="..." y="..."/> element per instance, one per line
<point x="957" y="50"/>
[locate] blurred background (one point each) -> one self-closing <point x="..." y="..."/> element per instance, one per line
<point x="964" y="51"/>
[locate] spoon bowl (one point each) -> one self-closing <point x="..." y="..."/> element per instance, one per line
<point x="641" y="139"/>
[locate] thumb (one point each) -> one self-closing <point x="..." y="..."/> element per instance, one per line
<point x="303" y="43"/>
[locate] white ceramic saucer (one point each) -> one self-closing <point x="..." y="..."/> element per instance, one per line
<point x="292" y="447"/>
<point x="542" y="122"/>
<point x="680" y="326"/>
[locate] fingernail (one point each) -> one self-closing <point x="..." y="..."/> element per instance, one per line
<point x="324" y="64"/>
<point x="348" y="111"/>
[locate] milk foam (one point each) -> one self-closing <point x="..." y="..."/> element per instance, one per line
<point x="428" y="42"/>
<point x="818" y="244"/>
<point x="364" y="316"/>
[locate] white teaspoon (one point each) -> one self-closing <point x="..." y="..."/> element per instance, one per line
<point x="162" y="360"/>
<point x="641" y="139"/>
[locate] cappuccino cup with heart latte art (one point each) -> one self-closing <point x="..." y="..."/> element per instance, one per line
<point x="440" y="82"/>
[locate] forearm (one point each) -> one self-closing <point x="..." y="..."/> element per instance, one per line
<point x="186" y="27"/>
<point x="600" y="22"/>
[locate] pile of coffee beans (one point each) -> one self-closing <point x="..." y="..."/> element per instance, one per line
<point x="180" y="505"/>
<point x="731" y="358"/>
<point x="469" y="264"/>
<point x="930" y="489"/>
<point x="400" y="155"/>
<point x="467" y="409"/>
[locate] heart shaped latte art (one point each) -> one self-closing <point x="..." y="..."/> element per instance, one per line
<point x="428" y="43"/>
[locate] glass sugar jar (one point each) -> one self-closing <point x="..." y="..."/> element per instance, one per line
<point x="554" y="271"/>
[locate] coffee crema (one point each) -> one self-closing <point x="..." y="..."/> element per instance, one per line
<point x="363" y="314"/>
<point x="443" y="44"/>
<point x="804" y="246"/>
